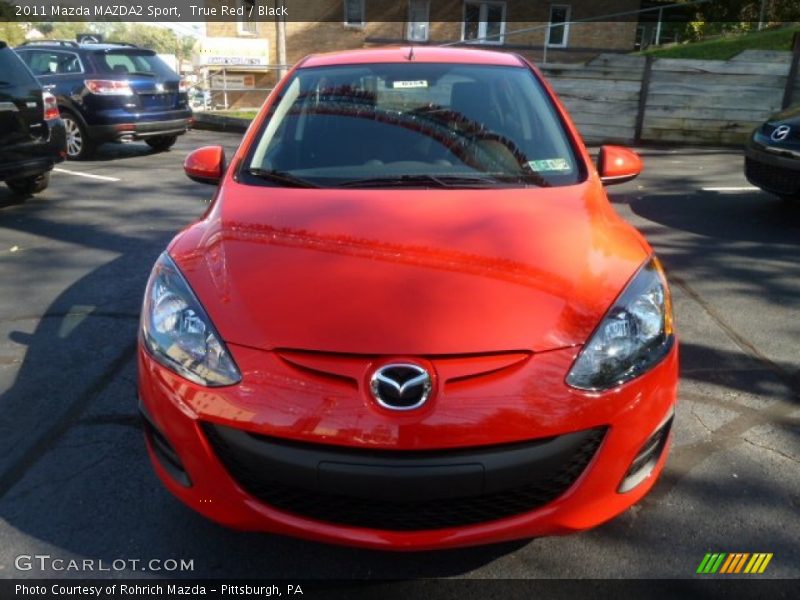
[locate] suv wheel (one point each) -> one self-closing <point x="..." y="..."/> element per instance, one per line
<point x="78" y="143"/>
<point x="29" y="185"/>
<point x="161" y="142"/>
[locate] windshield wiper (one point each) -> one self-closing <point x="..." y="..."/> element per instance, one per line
<point x="446" y="181"/>
<point x="442" y="181"/>
<point x="280" y="177"/>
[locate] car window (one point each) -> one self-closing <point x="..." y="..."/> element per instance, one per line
<point x="339" y="125"/>
<point x="135" y="62"/>
<point x="51" y="62"/>
<point x="12" y="70"/>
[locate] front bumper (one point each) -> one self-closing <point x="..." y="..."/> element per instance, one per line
<point x="481" y="441"/>
<point x="773" y="169"/>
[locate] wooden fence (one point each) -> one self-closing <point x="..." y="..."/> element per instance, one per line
<point x="624" y="98"/>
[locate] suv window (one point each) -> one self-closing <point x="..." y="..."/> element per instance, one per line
<point x="135" y="62"/>
<point x="12" y="70"/>
<point x="52" y="62"/>
<point x="415" y="122"/>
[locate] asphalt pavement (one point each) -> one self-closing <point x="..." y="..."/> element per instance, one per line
<point x="75" y="482"/>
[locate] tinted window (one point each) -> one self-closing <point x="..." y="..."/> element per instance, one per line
<point x="48" y="62"/>
<point x="13" y="71"/>
<point x="337" y="125"/>
<point x="133" y="62"/>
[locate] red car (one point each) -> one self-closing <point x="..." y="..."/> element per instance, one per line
<point x="410" y="318"/>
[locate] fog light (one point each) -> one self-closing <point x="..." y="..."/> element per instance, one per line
<point x="163" y="450"/>
<point x="647" y="458"/>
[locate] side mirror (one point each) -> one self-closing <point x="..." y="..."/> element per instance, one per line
<point x="205" y="165"/>
<point x="616" y="164"/>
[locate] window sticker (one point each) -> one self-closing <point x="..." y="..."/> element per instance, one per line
<point x="407" y="85"/>
<point x="550" y="164"/>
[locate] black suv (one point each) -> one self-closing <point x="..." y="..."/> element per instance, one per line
<point x="110" y="92"/>
<point x="32" y="137"/>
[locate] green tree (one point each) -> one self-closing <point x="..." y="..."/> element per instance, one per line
<point x="10" y="31"/>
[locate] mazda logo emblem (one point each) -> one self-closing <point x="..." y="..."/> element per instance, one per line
<point x="780" y="133"/>
<point x="400" y="386"/>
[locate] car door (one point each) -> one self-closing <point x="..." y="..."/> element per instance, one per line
<point x="58" y="71"/>
<point x="21" y="107"/>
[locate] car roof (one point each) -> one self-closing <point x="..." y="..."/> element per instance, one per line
<point x="70" y="45"/>
<point x="113" y="46"/>
<point x="421" y="54"/>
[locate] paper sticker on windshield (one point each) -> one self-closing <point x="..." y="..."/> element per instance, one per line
<point x="407" y="85"/>
<point x="549" y="164"/>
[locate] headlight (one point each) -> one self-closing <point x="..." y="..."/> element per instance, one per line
<point x="635" y="334"/>
<point x="179" y="334"/>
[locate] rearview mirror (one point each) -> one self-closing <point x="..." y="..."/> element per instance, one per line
<point x="616" y="164"/>
<point x="205" y="165"/>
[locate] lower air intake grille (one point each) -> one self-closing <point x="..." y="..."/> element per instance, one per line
<point x="541" y="472"/>
<point x="784" y="182"/>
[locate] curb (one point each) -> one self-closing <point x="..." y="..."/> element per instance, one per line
<point x="211" y="122"/>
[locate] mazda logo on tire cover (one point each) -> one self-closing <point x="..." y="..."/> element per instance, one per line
<point x="400" y="386"/>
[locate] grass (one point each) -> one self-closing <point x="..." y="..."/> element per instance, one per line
<point x="729" y="46"/>
<point x="238" y="114"/>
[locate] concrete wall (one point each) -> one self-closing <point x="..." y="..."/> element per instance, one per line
<point x="693" y="101"/>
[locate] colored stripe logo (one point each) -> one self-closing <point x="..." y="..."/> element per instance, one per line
<point x="735" y="562"/>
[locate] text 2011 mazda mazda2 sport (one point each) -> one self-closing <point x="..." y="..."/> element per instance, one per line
<point x="410" y="317"/>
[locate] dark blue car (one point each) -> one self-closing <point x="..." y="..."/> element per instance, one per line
<point x="110" y="92"/>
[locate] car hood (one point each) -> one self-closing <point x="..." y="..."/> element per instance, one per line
<point x="408" y="272"/>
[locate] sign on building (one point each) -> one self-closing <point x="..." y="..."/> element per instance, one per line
<point x="233" y="81"/>
<point x="241" y="54"/>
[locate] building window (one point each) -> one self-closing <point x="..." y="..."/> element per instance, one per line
<point x="418" y="20"/>
<point x="484" y="22"/>
<point x="354" y="13"/>
<point x="247" y="24"/>
<point x="558" y="31"/>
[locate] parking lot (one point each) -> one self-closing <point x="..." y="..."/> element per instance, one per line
<point x="75" y="481"/>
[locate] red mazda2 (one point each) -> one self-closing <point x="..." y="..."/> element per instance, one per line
<point x="410" y="318"/>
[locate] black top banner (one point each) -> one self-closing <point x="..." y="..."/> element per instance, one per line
<point x="353" y="13"/>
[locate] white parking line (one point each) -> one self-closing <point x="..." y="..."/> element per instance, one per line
<point x="743" y="188"/>
<point x="88" y="175"/>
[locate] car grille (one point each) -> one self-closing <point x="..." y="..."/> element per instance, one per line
<point x="773" y="179"/>
<point x="394" y="515"/>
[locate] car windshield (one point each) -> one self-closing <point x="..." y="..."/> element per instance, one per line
<point x="426" y="125"/>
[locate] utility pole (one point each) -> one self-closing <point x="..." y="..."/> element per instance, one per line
<point x="762" y="14"/>
<point x="281" y="41"/>
<point x="658" y="26"/>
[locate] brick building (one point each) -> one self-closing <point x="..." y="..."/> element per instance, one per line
<point x="327" y="25"/>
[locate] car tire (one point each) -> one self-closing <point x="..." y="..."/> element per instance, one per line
<point x="161" y="142"/>
<point x="79" y="146"/>
<point x="29" y="185"/>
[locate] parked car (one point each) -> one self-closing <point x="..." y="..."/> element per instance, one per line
<point x="411" y="318"/>
<point x="772" y="156"/>
<point x="32" y="136"/>
<point x="110" y="92"/>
